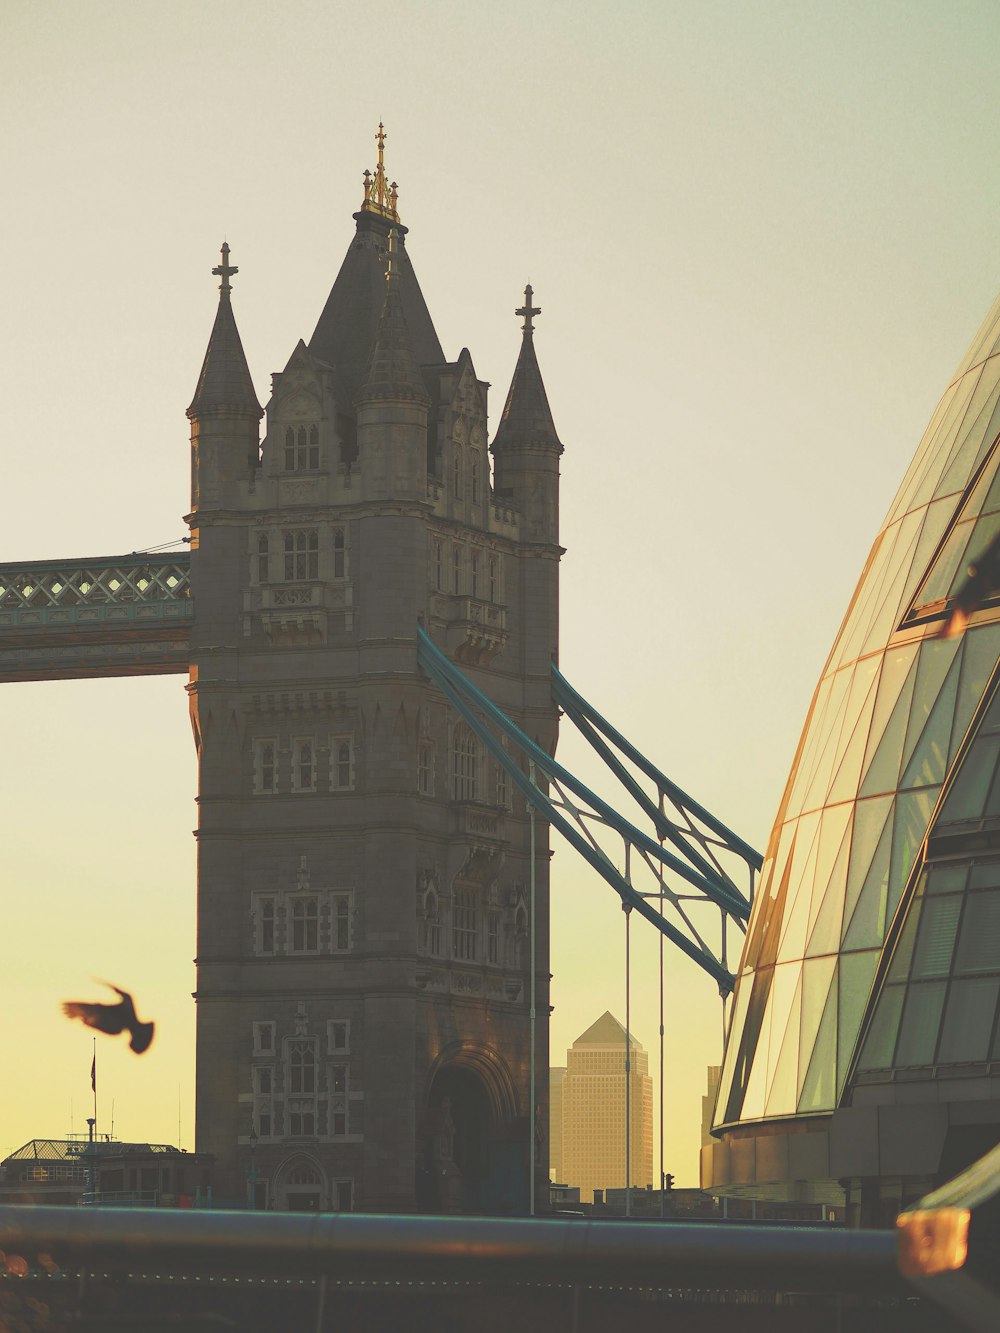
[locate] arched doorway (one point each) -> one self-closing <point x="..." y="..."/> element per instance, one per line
<point x="469" y="1159"/>
<point x="300" y="1187"/>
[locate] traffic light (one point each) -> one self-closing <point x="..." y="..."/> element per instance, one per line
<point x="668" y="1181"/>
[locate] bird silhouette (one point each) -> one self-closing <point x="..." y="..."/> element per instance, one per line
<point x="113" y="1018"/>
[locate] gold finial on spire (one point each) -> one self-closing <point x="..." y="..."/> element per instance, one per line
<point x="380" y="195"/>
<point x="224" y="270"/>
<point x="528" y="310"/>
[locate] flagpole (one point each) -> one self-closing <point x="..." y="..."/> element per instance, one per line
<point x="92" y="1126"/>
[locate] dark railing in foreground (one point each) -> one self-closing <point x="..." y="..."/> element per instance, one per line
<point x="354" y="1247"/>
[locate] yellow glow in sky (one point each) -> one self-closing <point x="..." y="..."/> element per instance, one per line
<point x="761" y="237"/>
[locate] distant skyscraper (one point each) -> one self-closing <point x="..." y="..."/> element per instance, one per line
<point x="556" y="1079"/>
<point x="714" y="1073"/>
<point x="592" y="1131"/>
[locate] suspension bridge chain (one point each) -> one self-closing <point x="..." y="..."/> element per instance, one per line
<point x="686" y="877"/>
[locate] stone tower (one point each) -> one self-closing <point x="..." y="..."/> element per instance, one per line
<point x="363" y="863"/>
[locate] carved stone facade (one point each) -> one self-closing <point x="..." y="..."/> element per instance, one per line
<point x="363" y="862"/>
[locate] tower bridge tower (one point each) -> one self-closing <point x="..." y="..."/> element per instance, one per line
<point x="363" y="865"/>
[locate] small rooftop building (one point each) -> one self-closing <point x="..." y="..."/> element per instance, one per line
<point x="107" y="1171"/>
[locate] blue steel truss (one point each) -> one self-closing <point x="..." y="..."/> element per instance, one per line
<point x="701" y="845"/>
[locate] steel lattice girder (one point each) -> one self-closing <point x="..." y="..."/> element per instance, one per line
<point x="712" y="885"/>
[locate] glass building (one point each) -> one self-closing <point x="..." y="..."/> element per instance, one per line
<point x="863" y="1054"/>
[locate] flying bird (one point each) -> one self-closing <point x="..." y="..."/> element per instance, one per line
<point x="113" y="1018"/>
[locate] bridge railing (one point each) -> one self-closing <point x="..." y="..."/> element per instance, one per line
<point x="455" y="1249"/>
<point x="36" y="594"/>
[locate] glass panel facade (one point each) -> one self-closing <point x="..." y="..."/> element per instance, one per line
<point x="979" y="942"/>
<point x="936" y="941"/>
<point x="869" y="945"/>
<point x="919" y="1028"/>
<point x="968" y="1021"/>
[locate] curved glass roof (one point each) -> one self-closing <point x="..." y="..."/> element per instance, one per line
<point x="896" y="720"/>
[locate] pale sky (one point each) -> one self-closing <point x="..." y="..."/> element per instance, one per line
<point x="761" y="235"/>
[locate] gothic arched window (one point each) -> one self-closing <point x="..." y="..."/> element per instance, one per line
<point x="302" y="449"/>
<point x="265" y="780"/>
<point x="493" y="954"/>
<point x="432" y="923"/>
<point x="302" y="1067"/>
<point x="341" y="906"/>
<point x="263" y="565"/>
<point x="342" y="776"/>
<point x="304" y="765"/>
<point x="465" y="925"/>
<point x="305" y="925"/>
<point x="465" y="765"/>
<point x="302" y="554"/>
<point x="339" y="554"/>
<point x="266" y="939"/>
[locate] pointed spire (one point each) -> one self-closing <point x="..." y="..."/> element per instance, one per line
<point x="392" y="368"/>
<point x="527" y="417"/>
<point x="224" y="384"/>
<point x="345" y="332"/>
<point x="380" y="196"/>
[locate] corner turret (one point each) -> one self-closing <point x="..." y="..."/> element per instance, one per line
<point x="526" y="447"/>
<point x="224" y="412"/>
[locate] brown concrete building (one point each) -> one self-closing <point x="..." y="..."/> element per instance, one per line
<point x="363" y="863"/>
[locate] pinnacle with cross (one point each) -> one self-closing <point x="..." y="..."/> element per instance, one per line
<point x="528" y="310"/>
<point x="224" y="270"/>
<point x="380" y="196"/>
